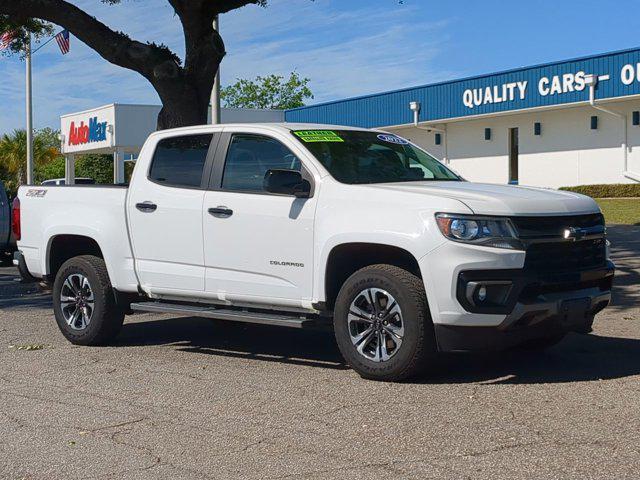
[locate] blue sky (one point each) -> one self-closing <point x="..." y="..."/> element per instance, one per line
<point x="346" y="47"/>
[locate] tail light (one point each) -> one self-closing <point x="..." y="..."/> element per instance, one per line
<point x="15" y="218"/>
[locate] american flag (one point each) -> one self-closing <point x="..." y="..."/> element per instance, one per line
<point x="63" y="41"/>
<point x="6" y="39"/>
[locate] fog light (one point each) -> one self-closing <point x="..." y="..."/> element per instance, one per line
<point x="482" y="293"/>
<point x="488" y="293"/>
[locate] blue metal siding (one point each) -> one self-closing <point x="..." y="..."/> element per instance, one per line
<point x="445" y="100"/>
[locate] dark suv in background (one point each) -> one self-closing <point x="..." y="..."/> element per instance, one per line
<point x="7" y="244"/>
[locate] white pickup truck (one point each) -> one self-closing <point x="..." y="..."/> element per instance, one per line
<point x="310" y="225"/>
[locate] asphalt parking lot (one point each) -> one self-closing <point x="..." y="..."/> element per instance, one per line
<point x="193" y="398"/>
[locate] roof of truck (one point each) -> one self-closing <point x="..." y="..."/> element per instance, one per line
<point x="272" y="126"/>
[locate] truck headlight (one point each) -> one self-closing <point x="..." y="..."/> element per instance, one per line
<point x="486" y="231"/>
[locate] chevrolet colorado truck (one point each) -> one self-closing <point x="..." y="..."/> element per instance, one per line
<point x="311" y="225"/>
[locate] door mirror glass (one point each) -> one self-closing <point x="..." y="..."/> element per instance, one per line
<point x="286" y="182"/>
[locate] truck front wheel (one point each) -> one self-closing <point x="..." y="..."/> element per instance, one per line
<point x="382" y="324"/>
<point x="83" y="302"/>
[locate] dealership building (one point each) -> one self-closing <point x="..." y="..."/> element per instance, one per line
<point x="565" y="123"/>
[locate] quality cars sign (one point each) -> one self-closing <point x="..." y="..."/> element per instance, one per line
<point x="543" y="86"/>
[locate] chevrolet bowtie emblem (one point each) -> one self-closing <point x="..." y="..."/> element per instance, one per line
<point x="574" y="234"/>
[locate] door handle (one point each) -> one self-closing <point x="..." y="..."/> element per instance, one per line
<point x="147" y="207"/>
<point x="221" y="212"/>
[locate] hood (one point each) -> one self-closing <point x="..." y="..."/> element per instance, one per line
<point x="494" y="199"/>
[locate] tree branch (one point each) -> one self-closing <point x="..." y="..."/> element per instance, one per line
<point x="115" y="47"/>
<point x="217" y="7"/>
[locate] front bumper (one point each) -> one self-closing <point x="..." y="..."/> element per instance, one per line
<point x="538" y="306"/>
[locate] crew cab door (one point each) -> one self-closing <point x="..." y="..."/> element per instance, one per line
<point x="257" y="245"/>
<point x="165" y="214"/>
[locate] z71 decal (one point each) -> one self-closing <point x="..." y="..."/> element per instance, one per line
<point x="38" y="193"/>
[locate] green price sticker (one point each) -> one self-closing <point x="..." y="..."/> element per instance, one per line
<point x="313" y="136"/>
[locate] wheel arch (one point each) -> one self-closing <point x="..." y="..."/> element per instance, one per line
<point x="346" y="258"/>
<point x="62" y="247"/>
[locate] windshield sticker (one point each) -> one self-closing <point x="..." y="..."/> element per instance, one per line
<point x="313" y="136"/>
<point x="392" y="139"/>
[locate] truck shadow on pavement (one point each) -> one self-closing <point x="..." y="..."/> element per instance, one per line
<point x="578" y="358"/>
<point x="237" y="340"/>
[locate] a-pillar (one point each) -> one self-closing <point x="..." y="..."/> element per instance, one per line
<point x="70" y="169"/>
<point x="118" y="167"/>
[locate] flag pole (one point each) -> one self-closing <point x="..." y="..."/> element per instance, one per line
<point x="215" y="94"/>
<point x="29" y="114"/>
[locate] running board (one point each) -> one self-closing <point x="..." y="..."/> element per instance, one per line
<point x="281" y="320"/>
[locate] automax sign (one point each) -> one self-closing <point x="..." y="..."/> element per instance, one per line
<point x="80" y="134"/>
<point x="89" y="130"/>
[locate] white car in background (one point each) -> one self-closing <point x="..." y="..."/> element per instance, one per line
<point x="62" y="181"/>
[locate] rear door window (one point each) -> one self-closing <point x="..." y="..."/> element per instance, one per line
<point x="180" y="161"/>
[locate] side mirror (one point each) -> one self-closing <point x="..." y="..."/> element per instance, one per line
<point x="286" y="182"/>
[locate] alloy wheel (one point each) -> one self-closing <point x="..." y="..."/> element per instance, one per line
<point x="375" y="324"/>
<point x="77" y="301"/>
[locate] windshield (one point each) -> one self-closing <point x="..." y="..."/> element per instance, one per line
<point x="357" y="156"/>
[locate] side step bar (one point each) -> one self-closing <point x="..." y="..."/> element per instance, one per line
<point x="281" y="320"/>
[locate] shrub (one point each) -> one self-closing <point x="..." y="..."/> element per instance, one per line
<point x="607" y="190"/>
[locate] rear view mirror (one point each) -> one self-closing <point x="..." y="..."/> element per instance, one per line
<point x="287" y="182"/>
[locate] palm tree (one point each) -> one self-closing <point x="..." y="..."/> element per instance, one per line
<point x="13" y="156"/>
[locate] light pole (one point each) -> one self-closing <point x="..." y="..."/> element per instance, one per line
<point x="215" y="93"/>
<point x="29" y="115"/>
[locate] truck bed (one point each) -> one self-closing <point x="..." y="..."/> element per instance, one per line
<point x="59" y="213"/>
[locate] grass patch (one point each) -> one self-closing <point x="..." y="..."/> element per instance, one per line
<point x="620" y="210"/>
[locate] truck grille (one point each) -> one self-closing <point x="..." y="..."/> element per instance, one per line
<point x="546" y="252"/>
<point x="566" y="256"/>
<point x="541" y="227"/>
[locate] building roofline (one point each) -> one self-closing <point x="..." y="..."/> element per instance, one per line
<point x="465" y="79"/>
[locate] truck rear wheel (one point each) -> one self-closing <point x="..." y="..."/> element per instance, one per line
<point x="382" y="324"/>
<point x="83" y="302"/>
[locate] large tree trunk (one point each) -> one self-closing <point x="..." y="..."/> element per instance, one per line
<point x="185" y="97"/>
<point x="182" y="109"/>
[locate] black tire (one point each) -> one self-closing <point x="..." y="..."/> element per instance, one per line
<point x="540" y="344"/>
<point x="106" y="318"/>
<point x="418" y="348"/>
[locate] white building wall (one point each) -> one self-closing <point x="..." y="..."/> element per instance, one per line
<point x="567" y="153"/>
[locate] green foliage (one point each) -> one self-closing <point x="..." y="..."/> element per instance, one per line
<point x="98" y="167"/>
<point x="272" y="92"/>
<point x="53" y="169"/>
<point x="49" y="163"/>
<point x="22" y="28"/>
<point x="13" y="155"/>
<point x="49" y="137"/>
<point x="618" y="190"/>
